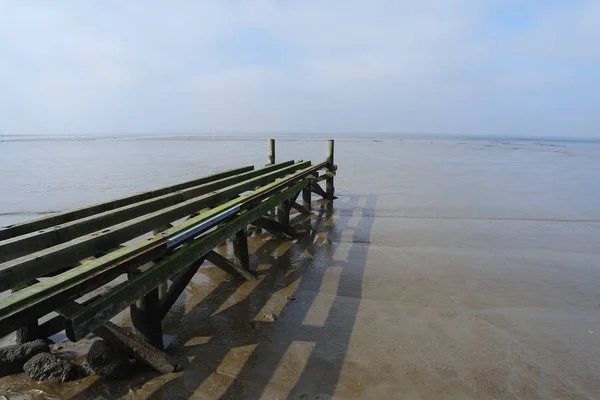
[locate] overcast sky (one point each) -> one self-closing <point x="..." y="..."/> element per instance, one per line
<point x="514" y="67"/>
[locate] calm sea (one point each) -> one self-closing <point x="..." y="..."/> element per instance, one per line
<point x="414" y="176"/>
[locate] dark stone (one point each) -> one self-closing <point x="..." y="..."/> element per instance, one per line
<point x="12" y="358"/>
<point x="106" y="361"/>
<point x="48" y="367"/>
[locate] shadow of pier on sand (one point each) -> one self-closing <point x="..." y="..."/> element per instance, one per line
<point x="285" y="335"/>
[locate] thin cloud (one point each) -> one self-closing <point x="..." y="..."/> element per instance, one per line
<point x="456" y="66"/>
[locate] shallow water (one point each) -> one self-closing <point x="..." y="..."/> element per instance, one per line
<point x="447" y="268"/>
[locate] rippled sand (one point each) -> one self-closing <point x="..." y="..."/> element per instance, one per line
<point x="445" y="270"/>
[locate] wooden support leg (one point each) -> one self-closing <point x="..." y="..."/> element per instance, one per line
<point x="329" y="189"/>
<point x="162" y="289"/>
<point x="283" y="213"/>
<point x="130" y="342"/>
<point x="137" y="347"/>
<point x="28" y="332"/>
<point x="306" y="198"/>
<point x="276" y="228"/>
<point x="301" y="209"/>
<point x="240" y="249"/>
<point x="295" y="197"/>
<point x="318" y="190"/>
<point x="146" y="318"/>
<point x="228" y="266"/>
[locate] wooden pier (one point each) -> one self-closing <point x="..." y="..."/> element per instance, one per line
<point x="53" y="264"/>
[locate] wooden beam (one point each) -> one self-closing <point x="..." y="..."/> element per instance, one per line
<point x="317" y="189"/>
<point x="325" y="176"/>
<point x="301" y="209"/>
<point x="42" y="298"/>
<point x="293" y="199"/>
<point x="228" y="266"/>
<point x="137" y="347"/>
<point x="43" y="262"/>
<point x="177" y="287"/>
<point x="57" y="323"/>
<point x="307" y="198"/>
<point x="122" y="295"/>
<point x="71" y="215"/>
<point x="275" y="227"/>
<point x="45" y="296"/>
<point x="120" y="338"/>
<point x="132" y="344"/>
<point x="51" y="236"/>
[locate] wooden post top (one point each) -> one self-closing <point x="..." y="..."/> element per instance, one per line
<point x="271" y="151"/>
<point x="330" y="146"/>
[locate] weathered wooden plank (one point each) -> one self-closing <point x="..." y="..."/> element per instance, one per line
<point x="130" y="342"/>
<point x="43" y="297"/>
<point x="137" y="347"/>
<point x="228" y="266"/>
<point x="16" y="310"/>
<point x="121" y="296"/>
<point x="60" y="218"/>
<point x="57" y="323"/>
<point x="65" y="254"/>
<point x="35" y="241"/>
<point x="177" y="287"/>
<point x="119" y="337"/>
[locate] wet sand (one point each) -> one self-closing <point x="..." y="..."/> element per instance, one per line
<point x="444" y="271"/>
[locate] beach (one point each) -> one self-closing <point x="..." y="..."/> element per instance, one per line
<point x="448" y="268"/>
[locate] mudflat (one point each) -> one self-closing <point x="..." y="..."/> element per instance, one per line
<point x="446" y="269"/>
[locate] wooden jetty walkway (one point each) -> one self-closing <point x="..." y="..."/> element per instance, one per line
<point x="41" y="260"/>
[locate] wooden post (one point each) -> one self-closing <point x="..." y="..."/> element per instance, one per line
<point x="240" y="249"/>
<point x="283" y="213"/>
<point x="271" y="160"/>
<point x="30" y="331"/>
<point x="329" y="189"/>
<point x="306" y="198"/>
<point x="146" y="318"/>
<point x="164" y="287"/>
<point x="271" y="153"/>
